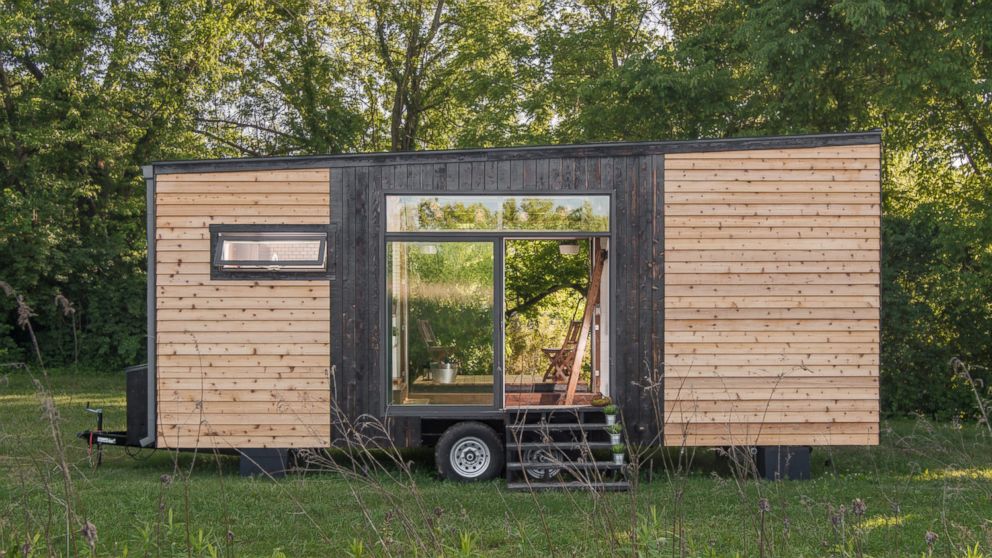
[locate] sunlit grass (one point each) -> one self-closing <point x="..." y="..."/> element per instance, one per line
<point x="924" y="477"/>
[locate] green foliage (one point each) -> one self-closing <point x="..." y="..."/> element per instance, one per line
<point x="90" y="91"/>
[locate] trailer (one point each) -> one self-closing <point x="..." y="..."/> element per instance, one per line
<point x="725" y="293"/>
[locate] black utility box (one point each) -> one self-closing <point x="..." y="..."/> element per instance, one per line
<point x="783" y="462"/>
<point x="137" y="403"/>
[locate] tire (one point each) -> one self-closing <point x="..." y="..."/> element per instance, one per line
<point x="469" y="452"/>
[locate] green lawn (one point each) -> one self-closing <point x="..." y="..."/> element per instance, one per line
<point x="924" y="477"/>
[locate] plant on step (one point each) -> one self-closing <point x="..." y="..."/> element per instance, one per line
<point x="614" y="431"/>
<point x="611" y="414"/>
<point x="618" y="453"/>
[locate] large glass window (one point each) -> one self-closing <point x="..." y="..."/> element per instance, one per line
<point x="435" y="213"/>
<point x="440" y="322"/>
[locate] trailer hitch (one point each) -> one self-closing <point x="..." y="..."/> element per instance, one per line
<point x="98" y="438"/>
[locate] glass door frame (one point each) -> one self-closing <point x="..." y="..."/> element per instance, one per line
<point x="498" y="240"/>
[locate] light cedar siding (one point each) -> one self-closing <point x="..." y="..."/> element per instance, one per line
<point x="772" y="297"/>
<point x="240" y="364"/>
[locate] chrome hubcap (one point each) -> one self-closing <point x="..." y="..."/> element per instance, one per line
<point x="470" y="457"/>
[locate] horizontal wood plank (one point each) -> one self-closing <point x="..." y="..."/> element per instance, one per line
<point x="772" y="163"/>
<point x="827" y="175"/>
<point x="278" y="176"/>
<point x="772" y="186"/>
<point x="225" y="210"/>
<point x="250" y="187"/>
<point x="770" y="232"/>
<point x="274" y="334"/>
<point x="203" y="220"/>
<point x="750" y="255"/>
<point x="262" y="317"/>
<point x="773" y="278"/>
<point x="870" y="151"/>
<point x="255" y="346"/>
<point x="243" y="303"/>
<point x="771" y="209"/>
<point x="250" y="199"/>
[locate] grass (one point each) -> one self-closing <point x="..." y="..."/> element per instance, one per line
<point x="924" y="478"/>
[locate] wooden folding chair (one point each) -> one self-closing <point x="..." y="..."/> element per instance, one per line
<point x="435" y="350"/>
<point x="560" y="358"/>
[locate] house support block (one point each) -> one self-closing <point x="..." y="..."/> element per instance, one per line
<point x="264" y="462"/>
<point x="783" y="462"/>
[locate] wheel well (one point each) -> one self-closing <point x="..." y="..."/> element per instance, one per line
<point x="431" y="429"/>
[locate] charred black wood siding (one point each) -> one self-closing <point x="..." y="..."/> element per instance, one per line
<point x="358" y="356"/>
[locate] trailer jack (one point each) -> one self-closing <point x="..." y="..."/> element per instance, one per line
<point x="98" y="438"/>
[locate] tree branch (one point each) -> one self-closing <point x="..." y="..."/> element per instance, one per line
<point x="247" y="125"/>
<point x="534" y="300"/>
<point x="244" y="150"/>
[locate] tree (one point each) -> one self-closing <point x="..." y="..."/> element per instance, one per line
<point x="442" y="70"/>
<point x="284" y="90"/>
<point x="88" y="94"/>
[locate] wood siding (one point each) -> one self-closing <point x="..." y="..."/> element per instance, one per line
<point x="772" y="297"/>
<point x="240" y="364"/>
<point x="360" y="287"/>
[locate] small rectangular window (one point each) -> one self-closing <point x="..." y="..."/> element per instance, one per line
<point x="269" y="251"/>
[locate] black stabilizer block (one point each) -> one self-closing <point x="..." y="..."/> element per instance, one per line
<point x="784" y="462"/>
<point x="264" y="462"/>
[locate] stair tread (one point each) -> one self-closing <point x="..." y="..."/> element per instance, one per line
<point x="556" y="444"/>
<point x="557" y="426"/>
<point x="570" y="485"/>
<point x="516" y="465"/>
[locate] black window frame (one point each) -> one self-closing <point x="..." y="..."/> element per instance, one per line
<point x="219" y="272"/>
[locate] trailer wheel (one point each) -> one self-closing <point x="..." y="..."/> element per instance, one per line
<point x="469" y="451"/>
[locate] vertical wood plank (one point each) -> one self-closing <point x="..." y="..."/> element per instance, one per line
<point x="530" y="174"/>
<point x="349" y="373"/>
<point x="554" y="174"/>
<point x="362" y="297"/>
<point x="541" y="174"/>
<point x="516" y="174"/>
<point x="376" y="291"/>
<point x="478" y="176"/>
<point x="568" y="173"/>
<point x="645" y="203"/>
<point x="440" y="178"/>
<point x="451" y="177"/>
<point x="503" y="175"/>
<point x="491" y="184"/>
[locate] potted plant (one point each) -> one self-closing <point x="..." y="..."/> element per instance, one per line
<point x="611" y="414"/>
<point x="618" y="453"/>
<point x="614" y="430"/>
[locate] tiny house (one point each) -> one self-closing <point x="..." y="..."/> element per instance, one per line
<point x="719" y="292"/>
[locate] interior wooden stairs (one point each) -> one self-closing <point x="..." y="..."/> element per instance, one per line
<point x="555" y="449"/>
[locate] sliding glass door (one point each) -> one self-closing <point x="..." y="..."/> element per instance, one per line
<point x="441" y="321"/>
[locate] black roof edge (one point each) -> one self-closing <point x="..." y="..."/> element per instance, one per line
<point x="873" y="136"/>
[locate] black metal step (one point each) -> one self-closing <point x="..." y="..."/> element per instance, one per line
<point x="557" y="445"/>
<point x="609" y="486"/>
<point x="565" y="466"/>
<point x="556" y="426"/>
